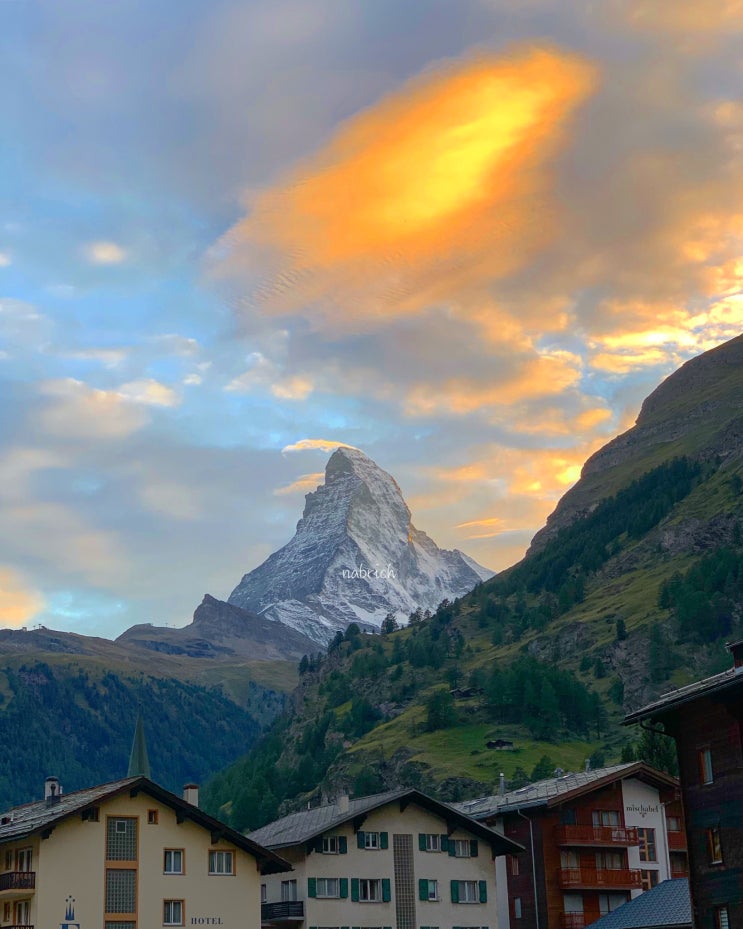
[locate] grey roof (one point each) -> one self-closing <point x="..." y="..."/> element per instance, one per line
<point x="42" y="816"/>
<point x="731" y="678"/>
<point x="555" y="789"/>
<point x="300" y="827"/>
<point x="666" y="906"/>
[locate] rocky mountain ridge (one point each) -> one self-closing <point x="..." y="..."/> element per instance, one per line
<point x="355" y="557"/>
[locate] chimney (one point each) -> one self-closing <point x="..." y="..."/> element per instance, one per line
<point x="343" y="803"/>
<point x="588" y="765"/>
<point x="502" y="784"/>
<point x="736" y="649"/>
<point x="52" y="791"/>
<point x="191" y="794"/>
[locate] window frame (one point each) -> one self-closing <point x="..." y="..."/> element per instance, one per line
<point x="518" y="908"/>
<point x="372" y="841"/>
<point x="706" y="770"/>
<point x="722" y="917"/>
<point x="459" y="844"/>
<point x="182" y="906"/>
<point x="370" y="883"/>
<point x="328" y="841"/>
<point x="433" y="842"/>
<point x="474" y="885"/>
<point x="153" y="817"/>
<point x="172" y="851"/>
<point x="328" y="896"/>
<point x="290" y="891"/>
<point x="649" y="878"/>
<point x="224" y="852"/>
<point x="433" y="895"/>
<point x="647" y="844"/>
<point x="714" y="846"/>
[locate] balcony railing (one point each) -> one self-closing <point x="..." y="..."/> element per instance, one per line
<point x="573" y="921"/>
<point x="624" y="878"/>
<point x="19" y="926"/>
<point x="677" y="841"/>
<point x="597" y="835"/>
<point x="18" y="880"/>
<point x="287" y="909"/>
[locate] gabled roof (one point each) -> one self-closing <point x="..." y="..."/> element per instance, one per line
<point x="556" y="790"/>
<point x="727" y="680"/>
<point x="301" y="827"/>
<point x="666" y="906"/>
<point x="42" y="817"/>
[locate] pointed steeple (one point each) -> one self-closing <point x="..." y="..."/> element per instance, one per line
<point x="139" y="763"/>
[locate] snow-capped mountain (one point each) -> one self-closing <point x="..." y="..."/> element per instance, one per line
<point x="355" y="557"/>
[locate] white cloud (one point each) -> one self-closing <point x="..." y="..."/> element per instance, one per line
<point x="149" y="392"/>
<point x="104" y="253"/>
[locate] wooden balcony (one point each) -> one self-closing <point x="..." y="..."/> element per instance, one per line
<point x="598" y="879"/>
<point x="597" y="836"/>
<point x="677" y="841"/>
<point x="286" y="911"/>
<point x="573" y="921"/>
<point x="19" y="926"/>
<point x="17" y="883"/>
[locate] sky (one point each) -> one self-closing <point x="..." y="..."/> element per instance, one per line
<point x="465" y="236"/>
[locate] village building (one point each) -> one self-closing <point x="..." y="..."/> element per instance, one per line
<point x="397" y="859"/>
<point x="592" y="841"/>
<point x="705" y="719"/>
<point x="666" y="906"/>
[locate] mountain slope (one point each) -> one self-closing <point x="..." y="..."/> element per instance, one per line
<point x="355" y="557"/>
<point x="634" y="589"/>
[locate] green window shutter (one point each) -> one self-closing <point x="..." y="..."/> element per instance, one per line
<point x="483" y="891"/>
<point x="383" y="840"/>
<point x="360" y="839"/>
<point x="451" y="847"/>
<point x="355" y="889"/>
<point x="421" y="841"/>
<point x="343" y="884"/>
<point x="386" y="927"/>
<point x="473" y="848"/>
<point x="311" y="886"/>
<point x="455" y="891"/>
<point x="386" y="890"/>
<point x="423" y="889"/>
<point x="444" y="843"/>
<point x="344" y="927"/>
<point x="343" y="848"/>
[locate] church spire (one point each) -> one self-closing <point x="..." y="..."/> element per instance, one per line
<point x="139" y="763"/>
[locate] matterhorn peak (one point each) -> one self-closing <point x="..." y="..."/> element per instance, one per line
<point x="355" y="557"/>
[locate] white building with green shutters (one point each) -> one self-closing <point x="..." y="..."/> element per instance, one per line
<point x="397" y="860"/>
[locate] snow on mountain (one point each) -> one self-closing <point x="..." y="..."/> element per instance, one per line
<point x="355" y="557"/>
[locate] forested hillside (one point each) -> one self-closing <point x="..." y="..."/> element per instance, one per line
<point x="634" y="597"/>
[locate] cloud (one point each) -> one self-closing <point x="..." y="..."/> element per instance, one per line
<point x="18" y="603"/>
<point x="104" y="253"/>
<point x="149" y="392"/>
<point x="303" y="484"/>
<point x="436" y="186"/>
<point x="264" y="374"/>
<point x="325" y="445"/>
<point x="76" y="410"/>
<point x="5" y="260"/>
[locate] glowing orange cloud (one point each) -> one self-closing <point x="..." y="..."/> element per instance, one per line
<point x="18" y="604"/>
<point x="442" y="180"/>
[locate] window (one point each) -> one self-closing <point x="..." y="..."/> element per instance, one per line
<point x="125" y="924"/>
<point x="428" y="889"/>
<point x="371" y="840"/>
<point x="605" y="818"/>
<point x="648" y="879"/>
<point x="517" y="911"/>
<point x="469" y="892"/>
<point x="514" y="865"/>
<point x="431" y="842"/>
<point x="330" y="845"/>
<point x="722" y="920"/>
<point x="121" y="840"/>
<point x="220" y="863"/>
<point x="462" y="848"/>
<point x="610" y="902"/>
<point x="328" y="887"/>
<point x="674" y="824"/>
<point x="24" y="859"/>
<point x="173" y="861"/>
<point x="705" y="766"/>
<point x="264" y="893"/>
<point x="9" y="861"/>
<point x="647" y="844"/>
<point x="7" y="911"/>
<point x="610" y="861"/>
<point x="173" y="912"/>
<point x="370" y="890"/>
<point x="153" y="817"/>
<point x="92" y="814"/>
<point x="714" y="845"/>
<point x="288" y="891"/>
<point x="121" y="891"/>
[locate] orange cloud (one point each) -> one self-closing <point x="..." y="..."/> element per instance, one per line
<point x="18" y="604"/>
<point x="444" y="181"/>
<point x="303" y="484"/>
<point x="325" y="445"/>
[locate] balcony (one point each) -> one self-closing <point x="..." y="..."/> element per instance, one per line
<point x="286" y="911"/>
<point x="597" y="835"/>
<point x="677" y="841"/>
<point x="19" y="926"/>
<point x="573" y="920"/>
<point x="593" y="879"/>
<point x="13" y="882"/>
